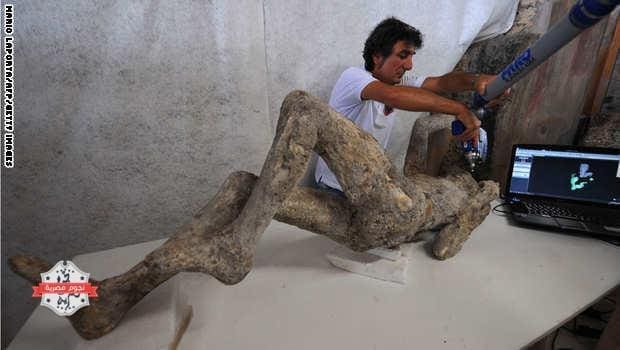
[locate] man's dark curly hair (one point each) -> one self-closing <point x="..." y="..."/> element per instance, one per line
<point x="382" y="39"/>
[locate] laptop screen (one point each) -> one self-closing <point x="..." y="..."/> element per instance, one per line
<point x="565" y="172"/>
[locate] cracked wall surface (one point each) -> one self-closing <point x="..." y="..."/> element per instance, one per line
<point x="128" y="116"/>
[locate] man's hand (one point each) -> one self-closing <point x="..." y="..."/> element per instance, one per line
<point x="481" y="85"/>
<point x="472" y="126"/>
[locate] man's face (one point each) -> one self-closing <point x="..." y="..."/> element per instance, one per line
<point x="391" y="69"/>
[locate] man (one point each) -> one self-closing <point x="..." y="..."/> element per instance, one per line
<point x="369" y="97"/>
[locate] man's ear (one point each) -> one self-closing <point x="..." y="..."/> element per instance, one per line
<point x="377" y="59"/>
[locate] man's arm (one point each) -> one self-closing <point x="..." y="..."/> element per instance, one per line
<point x="457" y="82"/>
<point x="420" y="99"/>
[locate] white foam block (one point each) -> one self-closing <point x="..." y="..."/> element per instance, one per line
<point x="386" y="253"/>
<point x="369" y="265"/>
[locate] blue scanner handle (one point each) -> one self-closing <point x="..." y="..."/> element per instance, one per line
<point x="458" y="127"/>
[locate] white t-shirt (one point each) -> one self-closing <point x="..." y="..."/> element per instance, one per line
<point x="371" y="116"/>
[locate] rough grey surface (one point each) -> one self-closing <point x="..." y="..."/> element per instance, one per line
<point x="603" y="131"/>
<point x="611" y="102"/>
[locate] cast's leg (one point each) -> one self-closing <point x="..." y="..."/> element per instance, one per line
<point x="450" y="239"/>
<point x="182" y="252"/>
<point x="222" y="237"/>
<point x="369" y="181"/>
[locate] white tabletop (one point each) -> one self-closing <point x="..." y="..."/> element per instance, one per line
<point x="508" y="287"/>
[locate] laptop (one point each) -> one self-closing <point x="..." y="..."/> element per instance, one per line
<point x="568" y="187"/>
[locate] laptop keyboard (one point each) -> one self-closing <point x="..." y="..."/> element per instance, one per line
<point x="543" y="208"/>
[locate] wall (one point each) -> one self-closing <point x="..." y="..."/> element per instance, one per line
<point x="129" y="114"/>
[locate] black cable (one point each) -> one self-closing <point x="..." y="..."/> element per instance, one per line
<point x="613" y="241"/>
<point x="602" y="316"/>
<point x="555" y="337"/>
<point x="594" y="313"/>
<point x="496" y="211"/>
<point x="589" y="332"/>
<point x="585" y="331"/>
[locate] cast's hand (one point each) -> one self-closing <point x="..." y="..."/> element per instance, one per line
<point x="472" y="126"/>
<point x="481" y="86"/>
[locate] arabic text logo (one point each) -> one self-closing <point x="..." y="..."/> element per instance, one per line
<point x="64" y="289"/>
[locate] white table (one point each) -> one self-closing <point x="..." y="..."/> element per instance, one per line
<point x="507" y="288"/>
